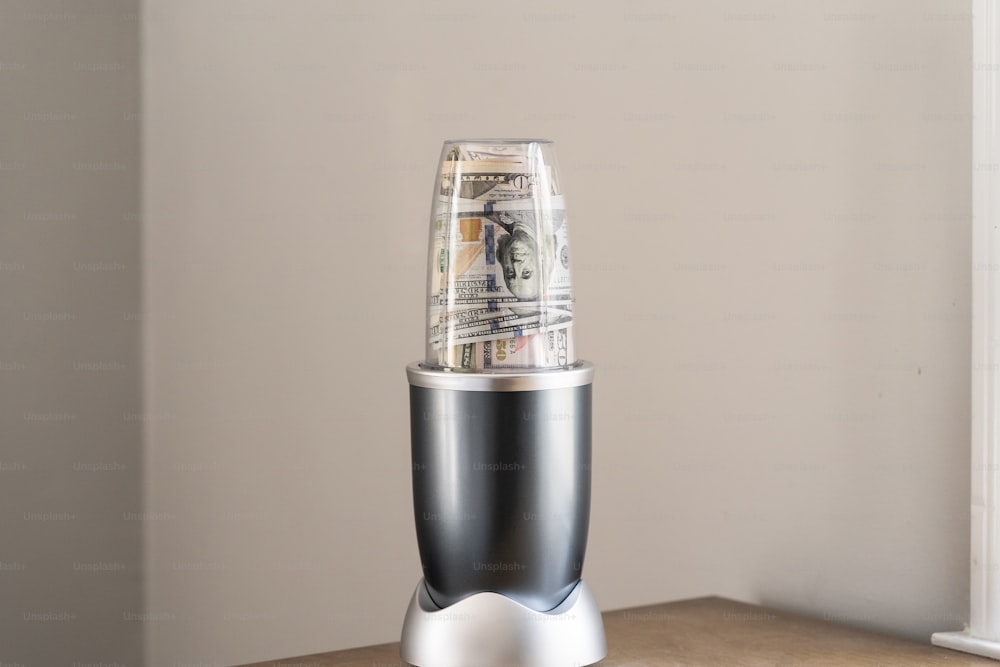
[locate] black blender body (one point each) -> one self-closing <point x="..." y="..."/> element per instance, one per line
<point x="501" y="490"/>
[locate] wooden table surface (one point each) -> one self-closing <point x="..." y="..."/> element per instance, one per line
<point x="711" y="632"/>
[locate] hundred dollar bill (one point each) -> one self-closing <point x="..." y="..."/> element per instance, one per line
<point x="495" y="277"/>
<point x="471" y="294"/>
<point x="465" y="318"/>
<point x="494" y="181"/>
<point x="552" y="348"/>
<point x="485" y="151"/>
<point x="479" y="291"/>
<point x="502" y="257"/>
<point x="498" y="327"/>
<point x="461" y="207"/>
<point x="507" y="153"/>
<point x="549" y="349"/>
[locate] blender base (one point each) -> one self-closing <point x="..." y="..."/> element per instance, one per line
<point x="492" y="630"/>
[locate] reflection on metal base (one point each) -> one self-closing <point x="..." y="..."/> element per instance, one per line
<point x="490" y="630"/>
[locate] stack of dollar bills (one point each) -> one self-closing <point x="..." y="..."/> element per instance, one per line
<point x="501" y="294"/>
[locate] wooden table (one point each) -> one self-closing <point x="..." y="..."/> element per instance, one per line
<point x="711" y="632"/>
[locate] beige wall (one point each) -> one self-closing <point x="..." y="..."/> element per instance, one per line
<point x="770" y="209"/>
<point x="70" y="407"/>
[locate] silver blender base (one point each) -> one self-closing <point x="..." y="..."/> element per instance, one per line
<point x="491" y="630"/>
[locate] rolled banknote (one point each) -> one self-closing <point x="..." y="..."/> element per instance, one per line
<point x="493" y="181"/>
<point x="500" y="328"/>
<point x="503" y="257"/>
<point x="543" y="350"/>
<point x="509" y="152"/>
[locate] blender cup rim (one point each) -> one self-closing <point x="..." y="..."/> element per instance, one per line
<point x="509" y="379"/>
<point x="496" y="141"/>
